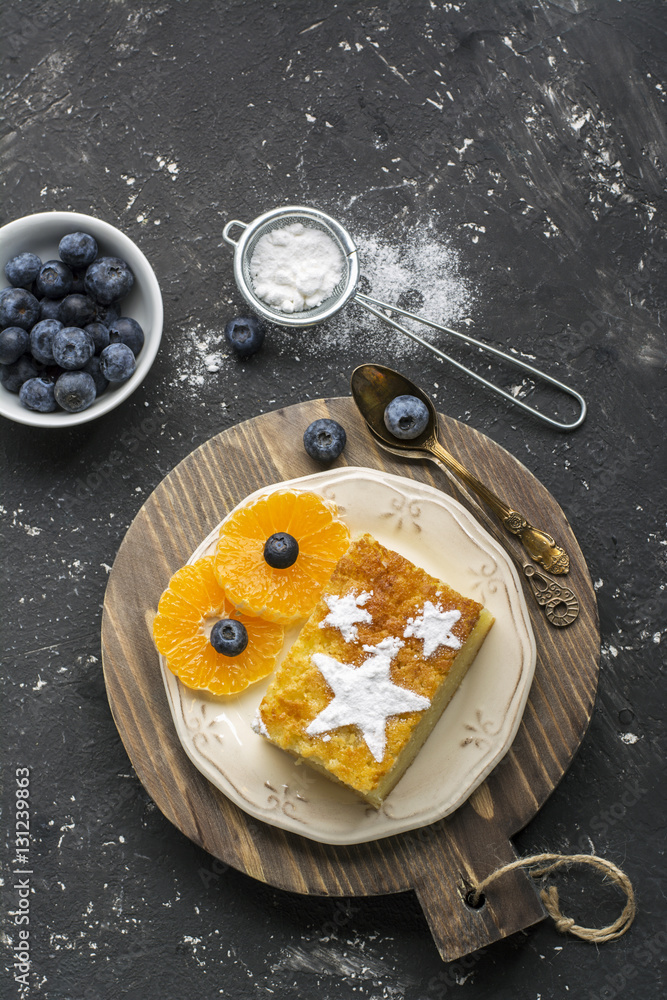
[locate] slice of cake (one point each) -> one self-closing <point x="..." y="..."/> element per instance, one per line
<point x="372" y="670"/>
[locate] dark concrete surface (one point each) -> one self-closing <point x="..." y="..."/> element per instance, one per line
<point x="500" y="164"/>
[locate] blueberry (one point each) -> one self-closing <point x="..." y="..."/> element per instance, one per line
<point x="77" y="249"/>
<point x="75" y="391"/>
<point x="49" y="308"/>
<point x="54" y="280"/>
<point x="127" y="331"/>
<point x="108" y="314"/>
<point x="72" y="348"/>
<point x="22" y="270"/>
<point x="14" y="341"/>
<point x="93" y="368"/>
<point x="18" y="307"/>
<point x="13" y="376"/>
<point x="117" y="362"/>
<point x="324" y="440"/>
<point x="100" y="334"/>
<point x="245" y="335"/>
<point x="38" y="394"/>
<point x="406" y="417"/>
<point x="41" y="339"/>
<point x="77" y="310"/>
<point x="229" y="637"/>
<point x="281" y="550"/>
<point x="108" y="279"/>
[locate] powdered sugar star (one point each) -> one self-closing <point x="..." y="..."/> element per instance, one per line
<point x="434" y="626"/>
<point x="364" y="696"/>
<point x="345" y="611"/>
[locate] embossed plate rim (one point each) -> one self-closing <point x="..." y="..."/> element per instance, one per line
<point x="321" y="820"/>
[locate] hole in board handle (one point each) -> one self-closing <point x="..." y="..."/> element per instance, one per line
<point x="470" y="897"/>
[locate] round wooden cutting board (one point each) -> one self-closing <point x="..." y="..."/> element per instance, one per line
<point x="439" y="861"/>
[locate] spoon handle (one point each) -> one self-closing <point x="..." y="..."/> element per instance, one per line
<point x="541" y="547"/>
<point x="558" y="603"/>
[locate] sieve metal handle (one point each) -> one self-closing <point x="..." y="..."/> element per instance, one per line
<point x="369" y="303"/>
<point x="232" y="224"/>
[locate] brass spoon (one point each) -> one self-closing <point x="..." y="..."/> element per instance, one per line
<point x="373" y="387"/>
<point x="370" y="388"/>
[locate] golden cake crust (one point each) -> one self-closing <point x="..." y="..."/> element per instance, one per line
<point x="299" y="692"/>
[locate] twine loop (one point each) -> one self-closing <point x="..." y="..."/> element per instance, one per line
<point x="550" y="899"/>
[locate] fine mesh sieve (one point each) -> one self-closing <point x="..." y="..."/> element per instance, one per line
<point x="345" y="291"/>
<point x="279" y="218"/>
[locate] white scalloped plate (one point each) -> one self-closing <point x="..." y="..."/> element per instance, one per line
<point x="477" y="727"/>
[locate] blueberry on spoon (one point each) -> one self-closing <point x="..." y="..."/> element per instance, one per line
<point x="406" y="417"/>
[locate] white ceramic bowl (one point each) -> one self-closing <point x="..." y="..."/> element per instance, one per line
<point x="41" y="234"/>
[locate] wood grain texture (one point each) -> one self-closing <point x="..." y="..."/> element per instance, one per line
<point x="437" y="861"/>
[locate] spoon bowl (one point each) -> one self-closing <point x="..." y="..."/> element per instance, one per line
<point x="373" y="388"/>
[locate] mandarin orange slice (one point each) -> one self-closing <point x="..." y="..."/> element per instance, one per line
<point x="192" y="603"/>
<point x="257" y="588"/>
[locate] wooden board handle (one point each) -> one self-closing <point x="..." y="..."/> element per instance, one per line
<point x="442" y="876"/>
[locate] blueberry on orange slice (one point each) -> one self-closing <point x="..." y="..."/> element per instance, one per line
<point x="275" y="555"/>
<point x="198" y="630"/>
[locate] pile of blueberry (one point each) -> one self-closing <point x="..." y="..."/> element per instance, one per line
<point x="63" y="340"/>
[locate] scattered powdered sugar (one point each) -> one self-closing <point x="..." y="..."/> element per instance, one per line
<point x="346" y="611"/>
<point x="200" y="352"/>
<point x="295" y="267"/>
<point x="434" y="627"/>
<point x="257" y="725"/>
<point x="418" y="271"/>
<point x="364" y="696"/>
